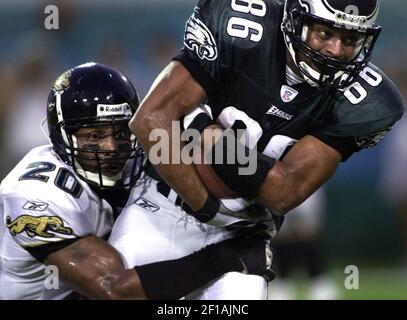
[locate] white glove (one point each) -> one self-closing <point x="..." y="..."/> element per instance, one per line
<point x="237" y="210"/>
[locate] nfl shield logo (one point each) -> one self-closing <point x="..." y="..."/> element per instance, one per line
<point x="288" y="94"/>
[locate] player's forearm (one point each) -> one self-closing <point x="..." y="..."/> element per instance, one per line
<point x="105" y="281"/>
<point x="282" y="190"/>
<point x="181" y="177"/>
<point x="308" y="165"/>
<point x="164" y="106"/>
<point x="94" y="269"/>
<point x="124" y="286"/>
<point x="112" y="285"/>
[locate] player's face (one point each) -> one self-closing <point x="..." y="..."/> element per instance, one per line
<point x="107" y="140"/>
<point x="332" y="42"/>
<point x="340" y="44"/>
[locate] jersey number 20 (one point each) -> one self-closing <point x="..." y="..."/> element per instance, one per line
<point x="64" y="180"/>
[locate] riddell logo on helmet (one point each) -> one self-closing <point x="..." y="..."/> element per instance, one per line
<point x="352" y="22"/>
<point x="114" y="109"/>
<point x="351" y="19"/>
<point x="105" y="110"/>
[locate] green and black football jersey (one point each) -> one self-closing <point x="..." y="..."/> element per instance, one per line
<point x="236" y="51"/>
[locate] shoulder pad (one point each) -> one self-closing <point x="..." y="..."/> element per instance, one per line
<point x="39" y="208"/>
<point x="370" y="105"/>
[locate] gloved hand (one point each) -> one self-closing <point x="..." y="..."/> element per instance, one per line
<point x="255" y="254"/>
<point x="239" y="210"/>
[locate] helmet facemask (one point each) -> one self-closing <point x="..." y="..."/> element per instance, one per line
<point x="92" y="164"/>
<point x="320" y="70"/>
<point x="96" y="102"/>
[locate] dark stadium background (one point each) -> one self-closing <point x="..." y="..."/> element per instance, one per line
<point x="363" y="226"/>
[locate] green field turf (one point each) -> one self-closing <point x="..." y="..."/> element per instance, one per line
<point x="374" y="284"/>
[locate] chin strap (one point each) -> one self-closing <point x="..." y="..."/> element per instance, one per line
<point x="314" y="74"/>
<point x="317" y="75"/>
<point x="94" y="177"/>
<point x="291" y="50"/>
<point x="45" y="133"/>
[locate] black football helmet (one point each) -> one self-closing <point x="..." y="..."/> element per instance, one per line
<point x="357" y="15"/>
<point x="92" y="95"/>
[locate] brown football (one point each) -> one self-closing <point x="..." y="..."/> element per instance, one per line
<point x="210" y="179"/>
<point x="213" y="183"/>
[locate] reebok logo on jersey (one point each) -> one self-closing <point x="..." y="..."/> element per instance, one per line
<point x="274" y="111"/>
<point x="147" y="205"/>
<point x="287" y="93"/>
<point x="198" y="38"/>
<point x="35" y="205"/>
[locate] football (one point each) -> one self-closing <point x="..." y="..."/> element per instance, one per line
<point x="213" y="183"/>
<point x="210" y="179"/>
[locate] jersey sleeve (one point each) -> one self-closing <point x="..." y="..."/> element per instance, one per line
<point x="363" y="114"/>
<point x="42" y="218"/>
<point x="207" y="49"/>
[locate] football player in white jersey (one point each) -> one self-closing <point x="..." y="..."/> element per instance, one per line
<point x="61" y="200"/>
<point x="157" y="219"/>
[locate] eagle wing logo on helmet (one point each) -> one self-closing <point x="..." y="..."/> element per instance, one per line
<point x="63" y="81"/>
<point x="37" y="226"/>
<point x="199" y="39"/>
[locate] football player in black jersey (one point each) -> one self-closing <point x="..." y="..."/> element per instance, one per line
<point x="295" y="74"/>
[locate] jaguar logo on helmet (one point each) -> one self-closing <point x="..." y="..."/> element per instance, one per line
<point x="63" y="81"/>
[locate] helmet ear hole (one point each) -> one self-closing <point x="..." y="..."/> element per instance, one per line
<point x="288" y="25"/>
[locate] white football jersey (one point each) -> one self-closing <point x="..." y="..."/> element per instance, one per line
<point x="44" y="205"/>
